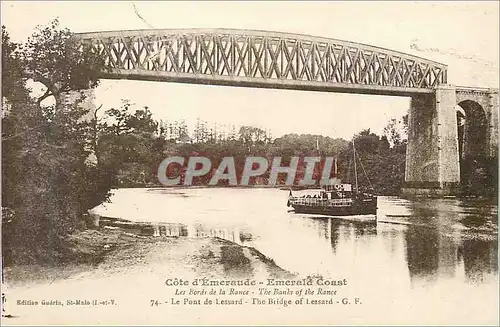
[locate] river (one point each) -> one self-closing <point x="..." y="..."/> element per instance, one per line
<point x="426" y="242"/>
<point x="428" y="261"/>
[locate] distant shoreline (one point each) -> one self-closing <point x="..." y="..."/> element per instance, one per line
<point x="282" y="187"/>
<point x="492" y="197"/>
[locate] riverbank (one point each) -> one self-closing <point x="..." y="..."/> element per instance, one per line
<point x="114" y="251"/>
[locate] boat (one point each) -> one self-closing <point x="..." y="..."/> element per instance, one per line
<point x="338" y="199"/>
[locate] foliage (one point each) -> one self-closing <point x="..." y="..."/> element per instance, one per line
<point x="381" y="166"/>
<point x="396" y="131"/>
<point x="54" y="57"/>
<point x="128" y="143"/>
<point x="136" y="151"/>
<point x="479" y="176"/>
<point x="46" y="181"/>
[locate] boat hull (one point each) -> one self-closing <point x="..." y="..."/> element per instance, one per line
<point x="333" y="211"/>
<point x="357" y="208"/>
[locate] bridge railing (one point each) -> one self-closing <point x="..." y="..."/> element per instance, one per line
<point x="473" y="89"/>
<point x="258" y="56"/>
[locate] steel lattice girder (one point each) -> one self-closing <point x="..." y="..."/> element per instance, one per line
<point x="262" y="59"/>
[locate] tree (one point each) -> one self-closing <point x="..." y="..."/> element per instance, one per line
<point x="396" y="131"/>
<point x="367" y="142"/>
<point x="129" y="140"/>
<point x="55" y="58"/>
<point x="45" y="179"/>
<point x="391" y="132"/>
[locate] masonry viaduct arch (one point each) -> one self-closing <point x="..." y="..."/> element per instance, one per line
<point x="433" y="158"/>
<point x="293" y="61"/>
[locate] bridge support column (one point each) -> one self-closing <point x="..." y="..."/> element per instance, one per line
<point x="432" y="159"/>
<point x="493" y="123"/>
<point x="86" y="100"/>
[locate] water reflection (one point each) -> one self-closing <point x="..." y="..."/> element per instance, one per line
<point x="422" y="252"/>
<point x="334" y="234"/>
<point x="414" y="242"/>
<point x="448" y="235"/>
<point x="321" y="225"/>
<point x="230" y="234"/>
<point x="480" y="258"/>
<point x="350" y="230"/>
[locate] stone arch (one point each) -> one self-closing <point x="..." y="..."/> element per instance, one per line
<point x="460" y="129"/>
<point x="475" y="128"/>
<point x="472" y="125"/>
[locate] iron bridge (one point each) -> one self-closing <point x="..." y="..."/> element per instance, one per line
<point x="262" y="59"/>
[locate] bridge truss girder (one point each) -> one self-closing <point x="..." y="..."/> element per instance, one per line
<point x="262" y="59"/>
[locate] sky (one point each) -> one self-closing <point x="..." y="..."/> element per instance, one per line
<point x="463" y="35"/>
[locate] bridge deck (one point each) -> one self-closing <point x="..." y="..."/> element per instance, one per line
<point x="262" y="59"/>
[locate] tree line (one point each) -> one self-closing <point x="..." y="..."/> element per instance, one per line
<point x="133" y="144"/>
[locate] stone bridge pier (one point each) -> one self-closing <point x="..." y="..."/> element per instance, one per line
<point x="435" y="147"/>
<point x="85" y="99"/>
